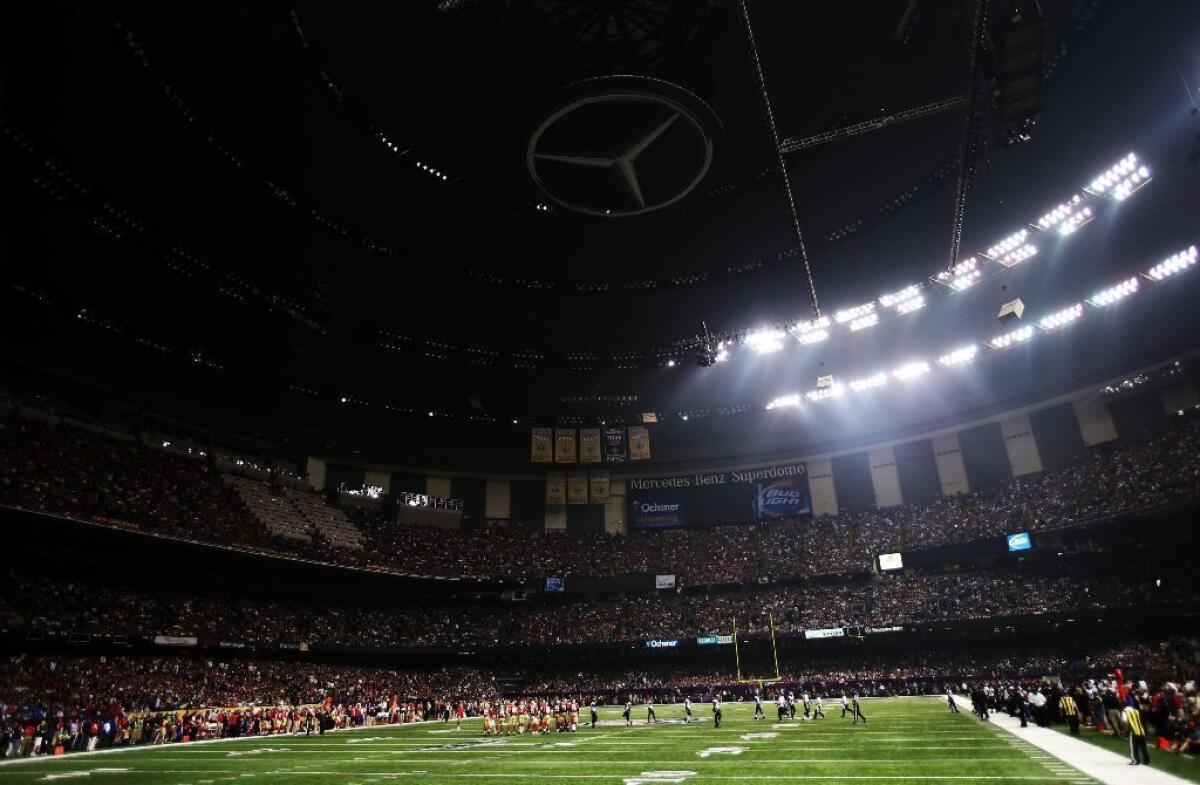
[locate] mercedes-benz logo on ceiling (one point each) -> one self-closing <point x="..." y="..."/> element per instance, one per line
<point x="622" y="146"/>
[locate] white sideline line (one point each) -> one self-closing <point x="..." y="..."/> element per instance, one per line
<point x="513" y="775"/>
<point x="270" y="739"/>
<point x="1096" y="762"/>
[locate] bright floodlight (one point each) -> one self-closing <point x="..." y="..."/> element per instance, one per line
<point x="870" y="382"/>
<point x="911" y="371"/>
<point x="765" y="341"/>
<point x="962" y="275"/>
<point x="1013" y="241"/>
<point x="812" y="331"/>
<point x="849" y="314"/>
<point x="864" y="322"/>
<point x="1012" y="249"/>
<point x="1020" y="335"/>
<point x="964" y="354"/>
<point x="782" y="401"/>
<point x="1122" y="178"/>
<point x="821" y="393"/>
<point x="1062" y="318"/>
<point x="1113" y="293"/>
<point x="1017" y="255"/>
<point x="904" y="301"/>
<point x="1075" y="220"/>
<point x="1062" y="213"/>
<point x="1176" y="263"/>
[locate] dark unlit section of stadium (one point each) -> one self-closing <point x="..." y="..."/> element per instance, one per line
<point x="639" y="392"/>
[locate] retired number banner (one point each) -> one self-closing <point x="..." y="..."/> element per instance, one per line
<point x="600" y="486"/>
<point x="577" y="488"/>
<point x="556" y="488"/>
<point x="564" y="445"/>
<point x="541" y="445"/>
<point x="589" y="445"/>
<point x="639" y="443"/>
<point x="614" y="445"/>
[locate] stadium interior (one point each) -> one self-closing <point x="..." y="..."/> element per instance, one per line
<point x="502" y="368"/>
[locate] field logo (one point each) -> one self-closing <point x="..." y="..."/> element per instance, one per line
<point x="658" y="777"/>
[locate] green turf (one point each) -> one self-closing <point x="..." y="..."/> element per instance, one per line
<point x="906" y="741"/>
<point x="1186" y="766"/>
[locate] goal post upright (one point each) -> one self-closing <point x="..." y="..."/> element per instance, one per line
<point x="774" y="655"/>
<point x="736" y="656"/>
<point x="774" y="651"/>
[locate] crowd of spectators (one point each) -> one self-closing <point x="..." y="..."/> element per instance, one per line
<point x="88" y="702"/>
<point x="86" y="473"/>
<point x="32" y="600"/>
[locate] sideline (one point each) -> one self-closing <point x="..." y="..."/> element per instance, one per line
<point x="274" y="738"/>
<point x="1103" y="765"/>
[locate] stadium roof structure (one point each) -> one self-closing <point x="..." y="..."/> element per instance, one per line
<point x="481" y="214"/>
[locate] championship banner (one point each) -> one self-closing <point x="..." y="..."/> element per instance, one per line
<point x="614" y="445"/>
<point x="589" y="445"/>
<point x="564" y="445"/>
<point x="639" y="443"/>
<point x="577" y="488"/>
<point x="556" y="488"/>
<point x="600" y="487"/>
<point x="541" y="449"/>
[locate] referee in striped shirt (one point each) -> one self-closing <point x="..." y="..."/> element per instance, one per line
<point x="1070" y="712"/>
<point x="1137" y="736"/>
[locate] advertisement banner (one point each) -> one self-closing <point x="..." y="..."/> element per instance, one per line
<point x="836" y="632"/>
<point x="600" y="483"/>
<point x="706" y="640"/>
<point x="662" y="509"/>
<point x="589" y="445"/>
<point x="786" y="497"/>
<point x="614" y="445"/>
<point x="556" y="488"/>
<point x="577" y="488"/>
<point x="639" y="443"/>
<point x="541" y="447"/>
<point x="1019" y="542"/>
<point x="662" y="644"/>
<point x="175" y="640"/>
<point x="891" y="561"/>
<point x="555" y="583"/>
<point x="707" y="479"/>
<point x="664" y="581"/>
<point x="564" y="445"/>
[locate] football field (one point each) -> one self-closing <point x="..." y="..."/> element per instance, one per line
<point x="906" y="740"/>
